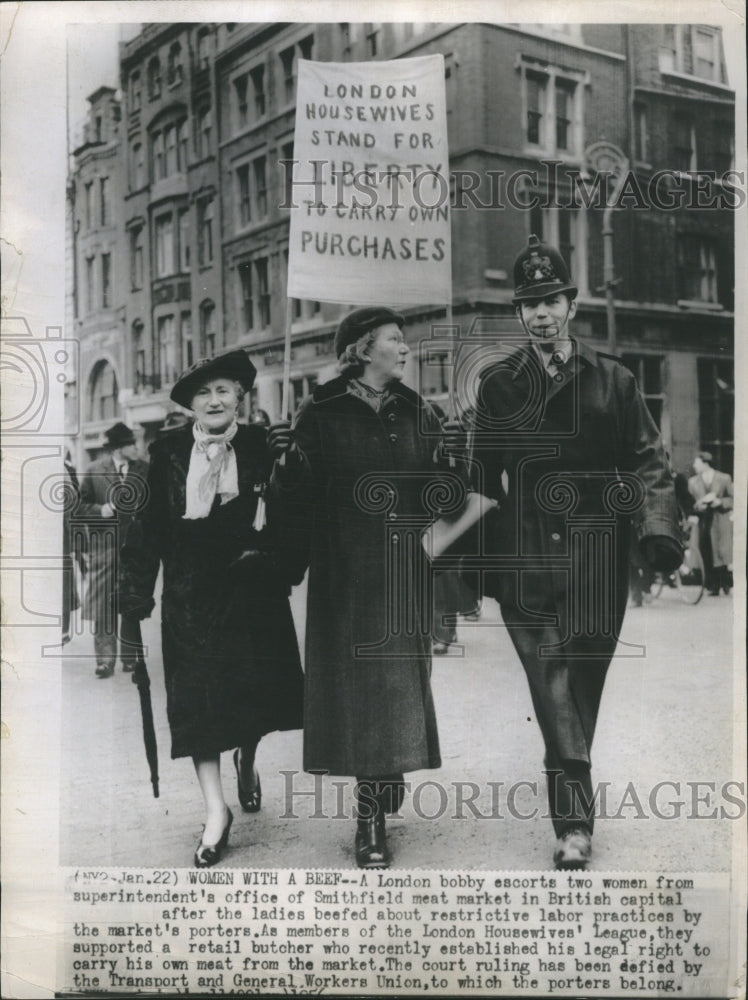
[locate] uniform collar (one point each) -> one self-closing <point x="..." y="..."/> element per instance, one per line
<point x="579" y="350"/>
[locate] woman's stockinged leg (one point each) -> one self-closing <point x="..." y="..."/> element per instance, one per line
<point x="208" y="770"/>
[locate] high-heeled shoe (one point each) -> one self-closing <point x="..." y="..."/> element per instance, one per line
<point x="207" y="855"/>
<point x="250" y="801"/>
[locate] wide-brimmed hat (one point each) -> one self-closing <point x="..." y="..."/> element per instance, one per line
<point x="119" y="436"/>
<point x="362" y="321"/>
<point x="175" y="421"/>
<point x="233" y="364"/>
<point x="540" y="270"/>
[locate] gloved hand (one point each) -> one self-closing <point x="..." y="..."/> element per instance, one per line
<point x="454" y="440"/>
<point x="662" y="553"/>
<point x="280" y="439"/>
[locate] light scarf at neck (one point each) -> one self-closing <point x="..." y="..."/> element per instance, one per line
<point x="212" y="470"/>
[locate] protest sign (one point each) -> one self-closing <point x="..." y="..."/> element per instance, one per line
<point x="370" y="195"/>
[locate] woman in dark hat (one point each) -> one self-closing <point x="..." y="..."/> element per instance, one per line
<point x="358" y="466"/>
<point x="231" y="661"/>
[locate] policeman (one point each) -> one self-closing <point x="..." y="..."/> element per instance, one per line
<point x="583" y="463"/>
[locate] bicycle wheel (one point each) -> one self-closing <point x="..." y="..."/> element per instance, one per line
<point x="689" y="578"/>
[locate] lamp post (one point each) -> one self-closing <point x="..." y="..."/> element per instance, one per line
<point x="607" y="159"/>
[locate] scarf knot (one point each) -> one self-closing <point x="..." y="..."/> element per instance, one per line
<point x="212" y="471"/>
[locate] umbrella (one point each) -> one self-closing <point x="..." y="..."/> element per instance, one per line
<point x="131" y="635"/>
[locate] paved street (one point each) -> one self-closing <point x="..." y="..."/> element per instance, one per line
<point x="666" y="716"/>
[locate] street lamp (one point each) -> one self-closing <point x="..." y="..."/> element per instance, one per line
<point x="607" y="159"/>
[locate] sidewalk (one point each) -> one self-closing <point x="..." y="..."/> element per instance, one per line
<point x="666" y="716"/>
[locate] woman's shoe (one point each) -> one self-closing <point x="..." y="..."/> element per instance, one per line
<point x="208" y="855"/>
<point x="250" y="801"/>
<point x="371" y="843"/>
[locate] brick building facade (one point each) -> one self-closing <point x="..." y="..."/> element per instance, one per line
<point x="202" y="234"/>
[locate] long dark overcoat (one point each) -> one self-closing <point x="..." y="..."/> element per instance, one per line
<point x="717" y="522"/>
<point x="102" y="484"/>
<point x="582" y="460"/>
<point x="360" y="492"/>
<point x="231" y="659"/>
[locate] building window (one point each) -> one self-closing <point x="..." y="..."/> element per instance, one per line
<point x="170" y="141"/>
<point x="136" y="258"/>
<point x="137" y="166"/>
<point x="693" y="49"/>
<point x="246" y="285"/>
<point x="104" y="393"/>
<point x="183" y="224"/>
<point x="697" y="269"/>
<point x="174" y="70"/>
<point x="259" y="172"/>
<point x="641" y="139"/>
<point x="104" y="200"/>
<point x="288" y="58"/>
<point x="154" y="79"/>
<point x="207" y="330"/>
<point x="717" y="410"/>
<point x="648" y="371"/>
<point x="257" y="75"/>
<point x="564" y="228"/>
<point x="552" y="110"/>
<point x="205" y="230"/>
<point x="243" y="193"/>
<point x="89" y="205"/>
<point x="684" y="145"/>
<point x="90" y="284"/>
<point x="203" y="49"/>
<point x="202" y="134"/>
<point x="164" y="245"/>
<point x="434" y="374"/>
<point x="138" y="355"/>
<point x="301" y="387"/>
<point x="347" y="40"/>
<point x="240" y="99"/>
<point x="185" y="330"/>
<point x="159" y="160"/>
<point x="263" y="290"/>
<point x="371" y="32"/>
<point x="182" y="145"/>
<point x="724" y="147"/>
<point x="135" y="92"/>
<point x="168" y="354"/>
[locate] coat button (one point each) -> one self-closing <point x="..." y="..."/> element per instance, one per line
<point x="556" y="537"/>
<point x="558" y="377"/>
<point x="395" y="539"/>
<point x="391" y="417"/>
<point x="393" y="438"/>
<point x="392" y="517"/>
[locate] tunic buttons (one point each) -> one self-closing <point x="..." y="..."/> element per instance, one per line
<point x="556" y="537"/>
<point x="391" y="417"/>
<point x="392" y="517"/>
<point x="393" y="438"/>
<point x="557" y="358"/>
<point x="395" y="539"/>
<point x="558" y="377"/>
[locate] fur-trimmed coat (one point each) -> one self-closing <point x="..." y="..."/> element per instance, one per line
<point x="231" y="660"/>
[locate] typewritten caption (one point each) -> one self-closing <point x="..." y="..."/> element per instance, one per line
<point x="229" y="931"/>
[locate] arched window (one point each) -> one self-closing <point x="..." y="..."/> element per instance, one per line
<point x="154" y="79"/>
<point x="203" y="48"/>
<point x="174" y="68"/>
<point x="207" y="329"/>
<point x="103" y="396"/>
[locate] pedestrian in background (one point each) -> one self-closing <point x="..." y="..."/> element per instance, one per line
<point x="565" y="423"/>
<point x="363" y="448"/>
<point x="713" y="503"/>
<point x="231" y="660"/>
<point x="112" y="489"/>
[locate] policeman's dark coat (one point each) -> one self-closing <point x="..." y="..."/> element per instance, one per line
<point x="359" y="494"/>
<point x="102" y="484"/>
<point x="231" y="660"/>
<point x="584" y="463"/>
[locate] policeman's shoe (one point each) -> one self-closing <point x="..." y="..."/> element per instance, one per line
<point x="103" y="670"/>
<point x="371" y="842"/>
<point x="573" y="849"/>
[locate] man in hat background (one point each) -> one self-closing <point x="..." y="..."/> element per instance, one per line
<point x="582" y="459"/>
<point x="712" y="495"/>
<point x="112" y="491"/>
